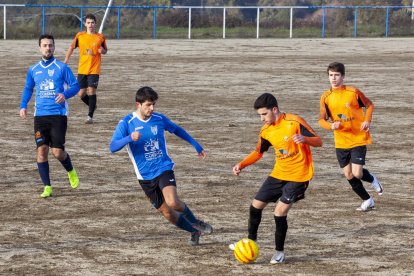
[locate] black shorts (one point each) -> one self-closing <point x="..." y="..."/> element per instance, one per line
<point x="354" y="155"/>
<point x="153" y="188"/>
<point x="86" y="81"/>
<point x="288" y="192"/>
<point x="50" y="130"/>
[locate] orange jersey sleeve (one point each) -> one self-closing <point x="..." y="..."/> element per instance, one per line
<point x="89" y="55"/>
<point x="345" y="105"/>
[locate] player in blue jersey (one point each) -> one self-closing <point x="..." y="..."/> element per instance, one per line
<point x="142" y="132"/>
<point x="50" y="76"/>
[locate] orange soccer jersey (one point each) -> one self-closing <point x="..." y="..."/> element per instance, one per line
<point x="89" y="57"/>
<point x="293" y="161"/>
<point x="344" y="104"/>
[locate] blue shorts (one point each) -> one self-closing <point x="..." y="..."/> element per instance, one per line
<point x="153" y="188"/>
<point x="287" y="191"/>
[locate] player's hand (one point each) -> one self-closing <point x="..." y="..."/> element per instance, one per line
<point x="236" y="169"/>
<point x="90" y="52"/>
<point x="60" y="98"/>
<point x="335" y="125"/>
<point x="298" y="138"/>
<point x="23" y="113"/>
<point x="135" y="135"/>
<point x="202" y="154"/>
<point x="365" y="126"/>
<point x="102" y="50"/>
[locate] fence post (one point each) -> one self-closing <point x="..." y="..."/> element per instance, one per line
<point x="81" y="19"/>
<point x="291" y="23"/>
<point x="224" y="22"/>
<point x="189" y="23"/>
<point x="323" y="22"/>
<point x="118" y="35"/>
<point x="386" y="21"/>
<point x="257" y="23"/>
<point x="43" y="19"/>
<point x="155" y="24"/>
<point x="4" y="22"/>
<point x="355" y="22"/>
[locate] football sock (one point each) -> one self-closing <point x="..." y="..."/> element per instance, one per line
<point x="184" y="224"/>
<point x="366" y="176"/>
<point x="189" y="215"/>
<point x="85" y="99"/>
<point x="67" y="163"/>
<point x="280" y="233"/>
<point x="92" y="105"/>
<point x="44" y="172"/>
<point x="254" y="220"/>
<point x="358" y="188"/>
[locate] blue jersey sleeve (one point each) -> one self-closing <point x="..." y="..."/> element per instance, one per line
<point x="120" y="138"/>
<point x="71" y="81"/>
<point x="28" y="89"/>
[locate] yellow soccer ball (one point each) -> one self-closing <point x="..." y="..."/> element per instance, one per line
<point x="246" y="251"/>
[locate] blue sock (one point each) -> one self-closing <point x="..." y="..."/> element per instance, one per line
<point x="189" y="215"/>
<point x="67" y="164"/>
<point x="44" y="172"/>
<point x="184" y="224"/>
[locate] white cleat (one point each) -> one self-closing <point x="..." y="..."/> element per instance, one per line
<point x="377" y="186"/>
<point x="367" y="205"/>
<point x="278" y="258"/>
<point x="89" y="120"/>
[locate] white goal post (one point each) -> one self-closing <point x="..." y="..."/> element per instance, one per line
<point x="105" y="15"/>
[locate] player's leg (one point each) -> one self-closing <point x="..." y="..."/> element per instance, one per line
<point x="93" y="81"/>
<point x="58" y="139"/>
<point x="291" y="192"/>
<point x="358" y="161"/>
<point x="83" y="84"/>
<point x="42" y="139"/>
<point x="168" y="186"/>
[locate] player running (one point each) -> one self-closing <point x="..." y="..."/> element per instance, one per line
<point x="51" y="109"/>
<point x="142" y="132"/>
<point x="291" y="138"/>
<point x="91" y="46"/>
<point x="343" y="105"/>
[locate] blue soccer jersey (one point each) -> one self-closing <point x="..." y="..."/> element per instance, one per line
<point x="149" y="154"/>
<point x="50" y="78"/>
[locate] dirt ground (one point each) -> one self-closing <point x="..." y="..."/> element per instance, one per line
<point x="107" y="226"/>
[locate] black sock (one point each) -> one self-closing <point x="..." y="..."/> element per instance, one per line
<point x="254" y="220"/>
<point x="44" y="172"/>
<point x="67" y="163"/>
<point x="85" y="99"/>
<point x="92" y="105"/>
<point x="366" y="176"/>
<point x="358" y="188"/>
<point x="280" y="233"/>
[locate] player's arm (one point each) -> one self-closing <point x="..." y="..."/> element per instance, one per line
<point x="71" y="81"/>
<point x="307" y="135"/>
<point x="103" y="49"/>
<point x="369" y="109"/>
<point x="71" y="49"/>
<point x="324" y="116"/>
<point x="262" y="146"/>
<point x="27" y="94"/>
<point x="121" y="137"/>
<point x="180" y="132"/>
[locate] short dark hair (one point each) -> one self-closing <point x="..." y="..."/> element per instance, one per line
<point x="47" y="36"/>
<point x="265" y="100"/>
<point x="90" y="16"/>
<point x="146" y="94"/>
<point x="336" y="67"/>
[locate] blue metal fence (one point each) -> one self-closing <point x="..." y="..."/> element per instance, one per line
<point x="154" y="9"/>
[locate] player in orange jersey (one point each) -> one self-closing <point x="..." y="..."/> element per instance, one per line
<point x="343" y="105"/>
<point x="91" y="46"/>
<point x="291" y="138"/>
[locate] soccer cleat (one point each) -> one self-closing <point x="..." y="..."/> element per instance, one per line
<point x="203" y="227"/>
<point x="73" y="179"/>
<point x="367" y="205"/>
<point x="377" y="186"/>
<point x="278" y="258"/>
<point x="47" y="192"/>
<point x="89" y="120"/>
<point x="195" y="238"/>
